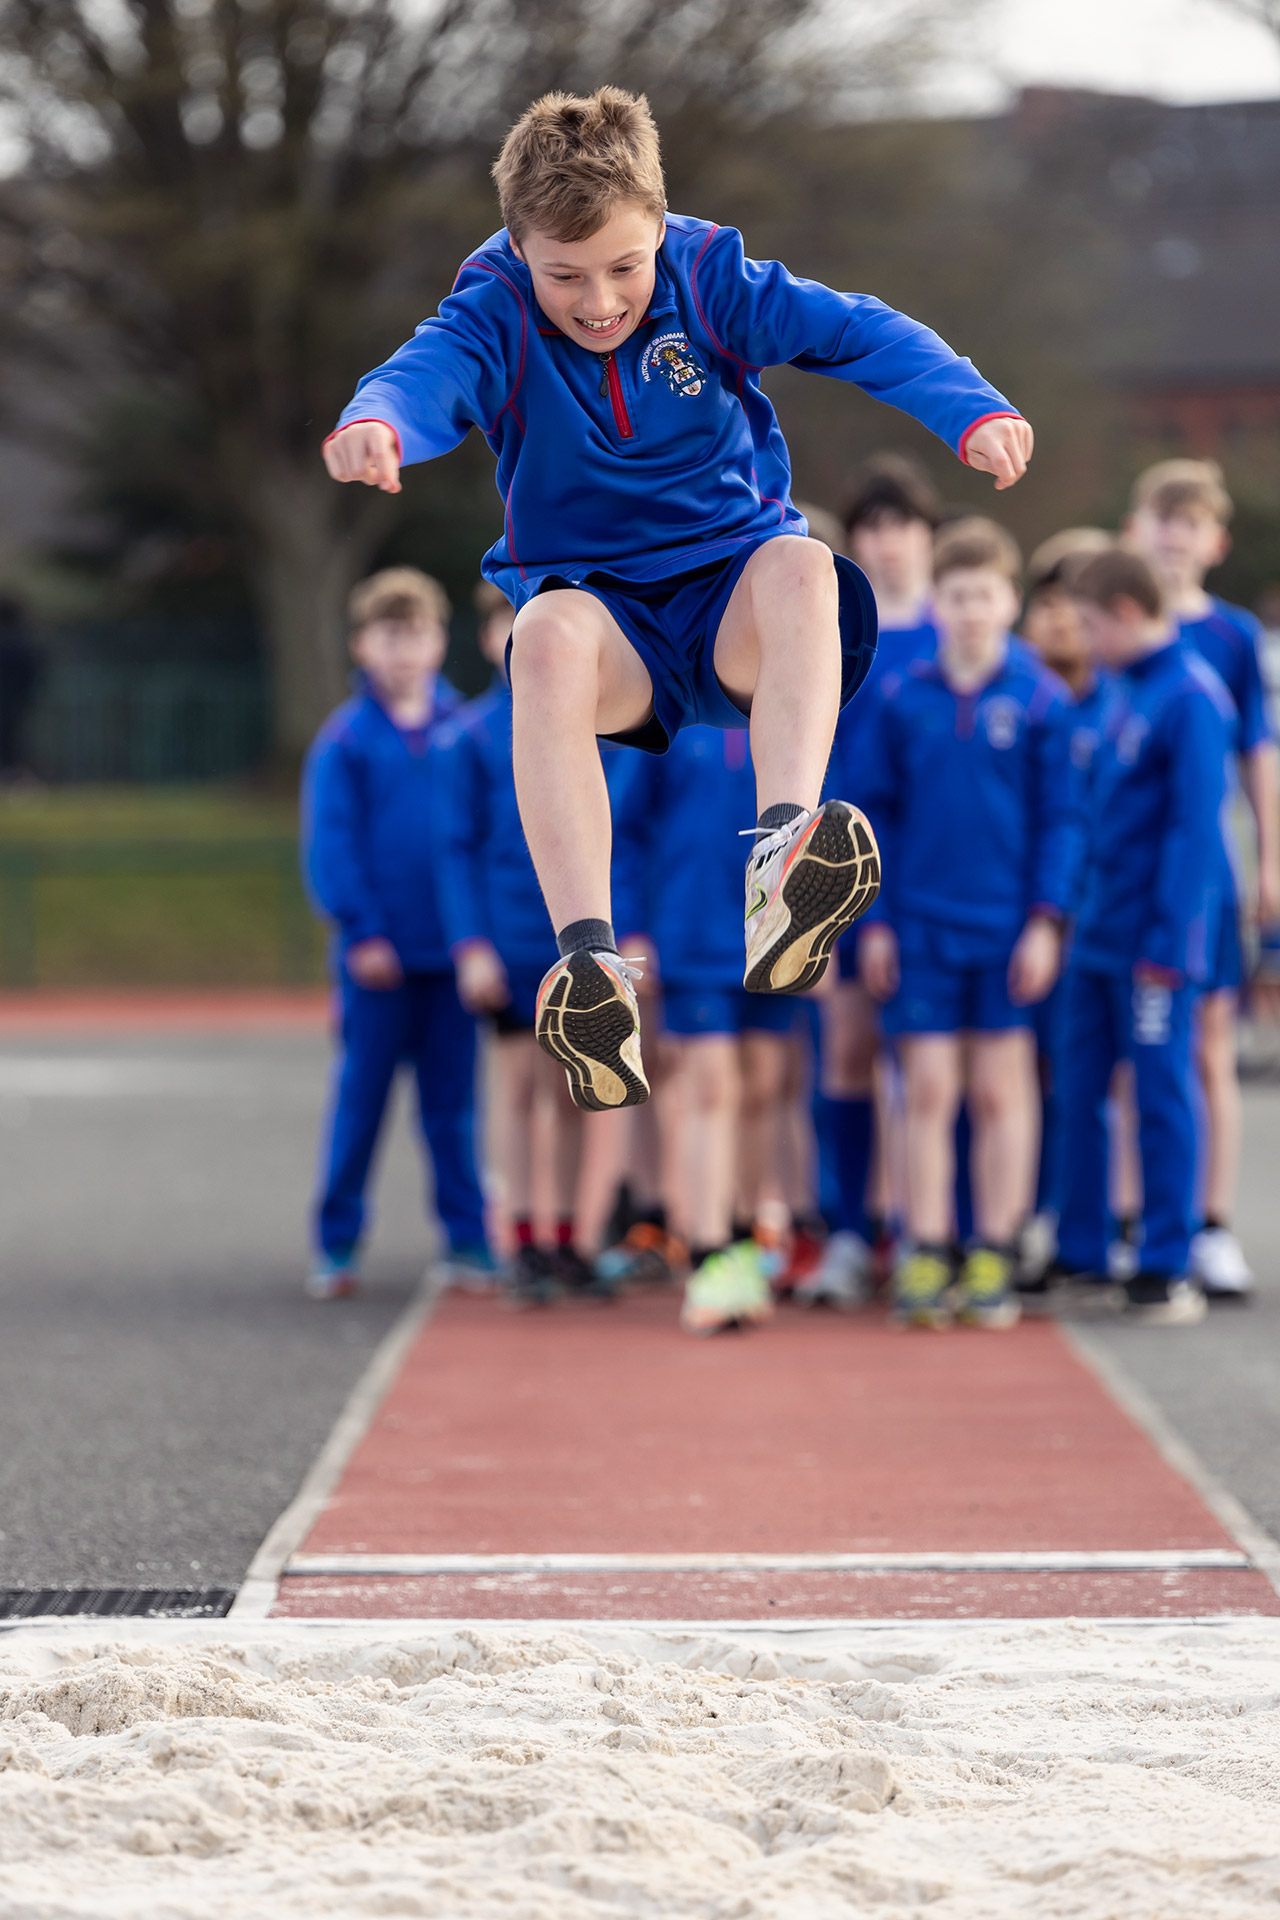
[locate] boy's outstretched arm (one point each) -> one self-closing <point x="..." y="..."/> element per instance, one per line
<point x="763" y="316"/>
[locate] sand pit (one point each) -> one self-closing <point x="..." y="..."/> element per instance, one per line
<point x="1039" y="1769"/>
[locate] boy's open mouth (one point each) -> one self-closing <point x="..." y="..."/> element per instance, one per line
<point x="602" y="329"/>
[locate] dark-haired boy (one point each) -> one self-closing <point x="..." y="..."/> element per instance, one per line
<point x="1145" y="930"/>
<point x="1178" y="520"/>
<point x="611" y="353"/>
<point x="370" y="816"/>
<point x="969" y="788"/>
<point x="889" y="517"/>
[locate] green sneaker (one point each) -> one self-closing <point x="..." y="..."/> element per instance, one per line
<point x="984" y="1294"/>
<point x="921" y="1283"/>
<point x="731" y="1289"/>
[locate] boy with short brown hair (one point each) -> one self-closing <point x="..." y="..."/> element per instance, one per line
<point x="370" y="816"/>
<point x="1179" y="518"/>
<point x="611" y="354"/>
<point x="969" y="789"/>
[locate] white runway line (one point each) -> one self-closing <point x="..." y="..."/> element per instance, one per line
<point x="1250" y="1536"/>
<point x="92" y="1077"/>
<point x="1157" y="1560"/>
<point x="258" y="1590"/>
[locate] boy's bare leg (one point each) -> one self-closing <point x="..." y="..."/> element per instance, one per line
<point x="574" y="674"/>
<point x="1005" y="1111"/>
<point x="778" y="654"/>
<point x="763" y="1064"/>
<point x="1218" y="1077"/>
<point x="931" y="1071"/>
<point x="567" y="1123"/>
<point x="711" y="1090"/>
<point x="515" y="1065"/>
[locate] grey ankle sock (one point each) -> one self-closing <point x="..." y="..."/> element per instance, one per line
<point x="780" y="814"/>
<point x="586" y="936"/>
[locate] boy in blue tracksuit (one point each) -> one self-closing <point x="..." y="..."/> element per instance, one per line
<point x="1179" y="518"/>
<point x="969" y="787"/>
<point x="1146" y="927"/>
<point x="889" y="518"/>
<point x="684" y="920"/>
<point x="611" y="354"/>
<point x="501" y="942"/>
<point x="1053" y="628"/>
<point x="370" y="807"/>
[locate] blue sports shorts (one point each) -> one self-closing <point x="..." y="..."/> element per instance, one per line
<point x="690" y="1011"/>
<point x="942" y="991"/>
<point x="1226" y="970"/>
<point x="673" y="623"/>
<point x="518" y="1014"/>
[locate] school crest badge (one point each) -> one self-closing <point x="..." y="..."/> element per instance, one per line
<point x="1000" y="718"/>
<point x="671" y="358"/>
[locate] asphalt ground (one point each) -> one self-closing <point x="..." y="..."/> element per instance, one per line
<point x="164" y="1382"/>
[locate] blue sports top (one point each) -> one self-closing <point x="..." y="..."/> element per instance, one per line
<point x="973" y="802"/>
<point x="703" y="790"/>
<point x="896" y="648"/>
<point x="487" y="886"/>
<point x="1154" y="880"/>
<point x="1230" y="639"/>
<point x="369" y="822"/>
<point x="665" y="455"/>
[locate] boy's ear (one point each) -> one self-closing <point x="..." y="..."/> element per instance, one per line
<point x="1225" y="544"/>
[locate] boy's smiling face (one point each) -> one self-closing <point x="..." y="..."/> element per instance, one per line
<point x="597" y="290"/>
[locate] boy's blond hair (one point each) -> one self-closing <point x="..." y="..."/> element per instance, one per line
<point x="398" y="593"/>
<point x="489" y="600"/>
<point x="568" y="162"/>
<point x="975" y="541"/>
<point x="1176" y="486"/>
<point x="1053" y="558"/>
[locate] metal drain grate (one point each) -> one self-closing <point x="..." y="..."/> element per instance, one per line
<point x="136" y="1603"/>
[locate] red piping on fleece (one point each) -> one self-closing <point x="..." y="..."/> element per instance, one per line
<point x="619" y="400"/>
<point x="981" y="421"/>
<point x="724" y="351"/>
<point x="524" y="343"/>
<point x="369" y="420"/>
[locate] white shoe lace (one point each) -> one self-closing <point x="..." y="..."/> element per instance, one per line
<point x="630" y="966"/>
<point x="774" y="842"/>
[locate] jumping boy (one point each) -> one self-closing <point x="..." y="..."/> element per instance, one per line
<point x="611" y="354"/>
<point x="1146" y="928"/>
<point x="370" y="818"/>
<point x="889" y="519"/>
<point x="969" y="787"/>
<point x="1179" y="518"/>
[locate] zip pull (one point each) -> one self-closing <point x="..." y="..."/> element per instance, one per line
<point x="604" y="377"/>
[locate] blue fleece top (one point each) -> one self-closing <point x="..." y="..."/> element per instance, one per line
<point x="1154" y="876"/>
<point x="972" y="800"/>
<point x="896" y="649"/>
<point x="487" y="885"/>
<point x="665" y="455"/>
<point x="1230" y="639"/>
<point x="695" y="798"/>
<point x="370" y="817"/>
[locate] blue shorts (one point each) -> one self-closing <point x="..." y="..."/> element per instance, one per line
<point x="673" y="623"/>
<point x="690" y="1011"/>
<point x="942" y="993"/>
<point x="1226" y="970"/>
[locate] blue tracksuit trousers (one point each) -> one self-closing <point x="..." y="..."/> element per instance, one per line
<point x="422" y="1023"/>
<point x="1107" y="1018"/>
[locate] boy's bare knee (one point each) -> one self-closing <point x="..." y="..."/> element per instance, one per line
<point x="554" y="635"/>
<point x="799" y="561"/>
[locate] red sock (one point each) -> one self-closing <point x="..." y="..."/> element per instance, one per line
<point x="524" y="1232"/>
<point x="564" y="1232"/>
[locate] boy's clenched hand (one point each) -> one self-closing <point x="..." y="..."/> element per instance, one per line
<point x="1034" y="962"/>
<point x="878" y="960"/>
<point x="1001" y="447"/>
<point x="368" y="450"/>
<point x="482" y="979"/>
<point x="374" y="964"/>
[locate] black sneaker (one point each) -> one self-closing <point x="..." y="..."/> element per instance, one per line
<point x="534" y="1280"/>
<point x="1164" y="1300"/>
<point x="587" y="1019"/>
<point x="573" y="1270"/>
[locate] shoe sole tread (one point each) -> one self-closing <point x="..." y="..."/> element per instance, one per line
<point x="830" y="886"/>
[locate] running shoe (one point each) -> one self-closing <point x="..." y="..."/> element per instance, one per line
<point x="984" y="1295"/>
<point x="587" y="1019"/>
<point x="841" y="1277"/>
<point x="921" y="1288"/>
<point x="1218" y="1263"/>
<point x="468" y="1270"/>
<point x="533" y="1280"/>
<point x="805" y="884"/>
<point x="647" y="1255"/>
<point x="1164" y="1300"/>
<point x="730" y="1289"/>
<point x="803" y="1260"/>
<point x="573" y="1270"/>
<point x="333" y="1277"/>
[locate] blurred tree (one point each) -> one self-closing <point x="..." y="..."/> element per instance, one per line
<point x="245" y="203"/>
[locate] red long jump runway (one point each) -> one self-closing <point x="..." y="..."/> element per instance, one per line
<point x="595" y="1462"/>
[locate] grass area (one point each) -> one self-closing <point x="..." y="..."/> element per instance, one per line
<point x="111" y="926"/>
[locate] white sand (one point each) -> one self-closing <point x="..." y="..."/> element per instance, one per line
<point x="1030" y="1769"/>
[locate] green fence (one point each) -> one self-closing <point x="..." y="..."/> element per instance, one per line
<point x="154" y="722"/>
<point x="182" y="905"/>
